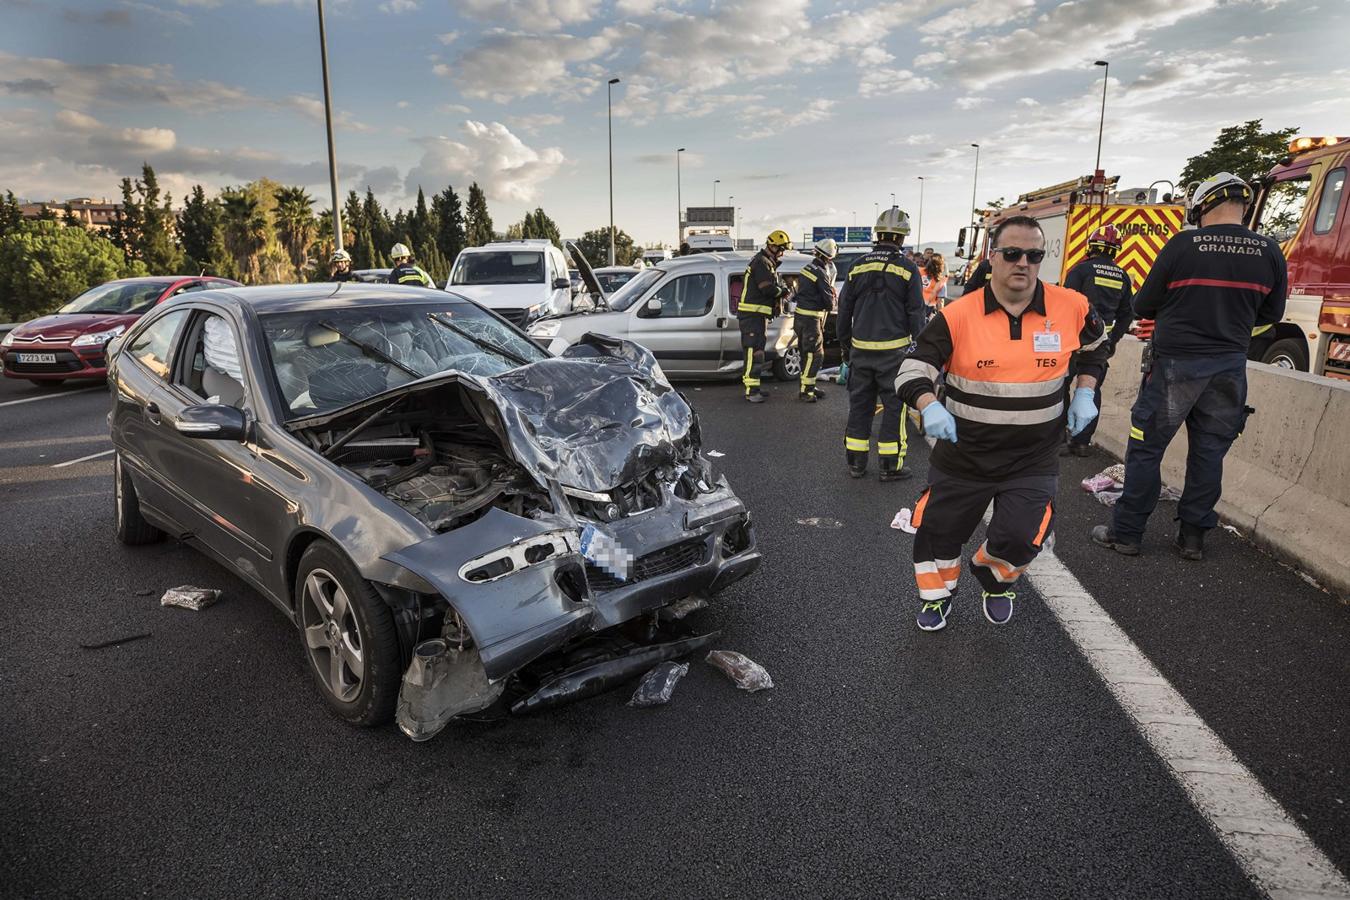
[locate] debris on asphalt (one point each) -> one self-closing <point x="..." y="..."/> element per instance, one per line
<point x="1108" y="485"/>
<point x="716" y="454"/>
<point x="189" y="597"/>
<point x="1231" y="529"/>
<point x="683" y="607"/>
<point x="817" y="522"/>
<point x="115" y="642"/>
<point x="902" y="521"/>
<point x="144" y="593"/>
<point x="658" y="685"/>
<point x="741" y="669"/>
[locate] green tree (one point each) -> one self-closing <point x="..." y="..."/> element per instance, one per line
<point x="1245" y="150"/>
<point x="594" y="245"/>
<point x="156" y="245"/>
<point x="199" y="231"/>
<point x="125" y="229"/>
<point x="244" y="228"/>
<point x="11" y="216"/>
<point x="295" y="224"/>
<point x="477" y="219"/>
<point x="351" y="224"/>
<point x="70" y="220"/>
<point x="45" y="264"/>
<point x="376" y="223"/>
<point x="448" y="214"/>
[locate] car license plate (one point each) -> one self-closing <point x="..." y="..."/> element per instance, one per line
<point x="37" y="357"/>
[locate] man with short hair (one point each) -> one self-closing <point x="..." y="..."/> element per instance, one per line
<point x="762" y="294"/>
<point x="1005" y="350"/>
<point x="1210" y="289"/>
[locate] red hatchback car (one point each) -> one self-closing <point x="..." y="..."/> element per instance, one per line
<point x="70" y="342"/>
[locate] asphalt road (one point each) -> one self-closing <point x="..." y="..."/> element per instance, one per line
<point x="977" y="762"/>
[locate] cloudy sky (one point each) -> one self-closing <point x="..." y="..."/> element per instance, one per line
<point x="808" y="112"/>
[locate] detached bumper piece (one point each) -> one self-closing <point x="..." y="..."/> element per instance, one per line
<point x="442" y="682"/>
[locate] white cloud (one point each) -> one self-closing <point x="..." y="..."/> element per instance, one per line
<point x="974" y="16"/>
<point x="504" y="166"/>
<point x="77" y="121"/>
<point x="969" y="102"/>
<point x="172" y="16"/>
<point x="312" y="109"/>
<point x="817" y="110"/>
<point x="547" y="15"/>
<point x="1028" y="101"/>
<point x="394" y="7"/>
<point x="84" y="86"/>
<point x="448" y="37"/>
<point x="534" y="122"/>
<point x="506" y="65"/>
<point x="454" y="109"/>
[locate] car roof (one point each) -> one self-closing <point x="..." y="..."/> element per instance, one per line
<point x="529" y="244"/>
<point x="157" y="279"/>
<point x="275" y="298"/>
<point x="610" y="270"/>
<point x="728" y="259"/>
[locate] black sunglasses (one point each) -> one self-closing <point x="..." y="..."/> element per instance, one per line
<point x="1013" y="254"/>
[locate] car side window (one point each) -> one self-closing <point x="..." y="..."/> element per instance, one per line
<point x="188" y="288"/>
<point x="213" y="369"/>
<point x="688" y="296"/>
<point x="153" y="347"/>
<point x="734" y="287"/>
<point x="216" y="285"/>
<point x="1330" y="201"/>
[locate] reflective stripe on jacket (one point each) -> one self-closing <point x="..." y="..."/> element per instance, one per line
<point x="815" y="288"/>
<point x="1107" y="287"/>
<point x="406" y="273"/>
<point x="881" y="306"/>
<point x="758" y="300"/>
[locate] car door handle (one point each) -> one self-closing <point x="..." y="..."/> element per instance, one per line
<point x="721" y="322"/>
<point x="152" y="413"/>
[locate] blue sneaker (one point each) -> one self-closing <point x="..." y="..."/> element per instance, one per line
<point x="998" y="607"/>
<point x="933" y="614"/>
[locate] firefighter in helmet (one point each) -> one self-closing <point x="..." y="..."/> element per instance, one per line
<point x="815" y="301"/>
<point x="340" y="266"/>
<point x="405" y="271"/>
<point x="763" y="293"/>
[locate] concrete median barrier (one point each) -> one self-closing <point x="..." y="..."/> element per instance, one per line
<point x="1286" y="482"/>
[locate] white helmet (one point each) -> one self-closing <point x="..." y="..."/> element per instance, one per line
<point x="400" y="251"/>
<point x="340" y="256"/>
<point x="1215" y="190"/>
<point x="827" y="248"/>
<point x="893" y="221"/>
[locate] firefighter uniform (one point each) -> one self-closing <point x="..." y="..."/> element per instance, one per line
<point x="815" y="301"/>
<point x="1005" y="381"/>
<point x="979" y="277"/>
<point x="762" y="293"/>
<point x="880" y="312"/>
<point x="407" y="273"/>
<point x="1107" y="287"/>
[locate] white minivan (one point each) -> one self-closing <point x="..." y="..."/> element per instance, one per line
<point x="684" y="311"/>
<point x="518" y="280"/>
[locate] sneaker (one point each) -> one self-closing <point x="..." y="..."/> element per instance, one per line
<point x="1102" y="534"/>
<point x="998" y="607"/>
<point x="933" y="614"/>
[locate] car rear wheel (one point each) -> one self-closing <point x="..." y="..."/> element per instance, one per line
<point x="349" y="638"/>
<point x="788" y="366"/>
<point x="1287" y="353"/>
<point x="132" y="529"/>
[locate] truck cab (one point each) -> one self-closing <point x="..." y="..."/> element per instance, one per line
<point x="1302" y="204"/>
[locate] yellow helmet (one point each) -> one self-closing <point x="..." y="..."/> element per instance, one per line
<point x="779" y="238"/>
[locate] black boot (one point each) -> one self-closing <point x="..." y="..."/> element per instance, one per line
<point x="1190" y="542"/>
<point x="891" y="470"/>
<point x="755" y="395"/>
<point x="807" y="396"/>
<point x="857" y="463"/>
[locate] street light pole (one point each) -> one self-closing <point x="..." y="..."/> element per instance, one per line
<point x="892" y="200"/>
<point x="974" y="184"/>
<point x="731" y="201"/>
<point x="918" y="237"/>
<point x="716" y="182"/>
<point x="738" y="228"/>
<point x="328" y="121"/>
<point x="1101" y="123"/>
<point x="679" y="204"/>
<point x="609" y="111"/>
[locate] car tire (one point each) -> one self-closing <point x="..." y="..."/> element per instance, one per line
<point x="348" y="637"/>
<point x="788" y="366"/>
<point x="47" y="383"/>
<point x="132" y="529"/>
<point x="1287" y="353"/>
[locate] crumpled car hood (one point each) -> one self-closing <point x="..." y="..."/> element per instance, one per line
<point x="599" y="416"/>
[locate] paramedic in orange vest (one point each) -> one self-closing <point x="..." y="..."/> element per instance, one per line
<point x="1005" y="350"/>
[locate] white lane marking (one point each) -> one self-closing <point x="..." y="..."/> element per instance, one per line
<point x="51" y="396"/>
<point x="72" y="462"/>
<point x="1274" y="852"/>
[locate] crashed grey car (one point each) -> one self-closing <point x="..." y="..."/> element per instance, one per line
<point x="434" y="501"/>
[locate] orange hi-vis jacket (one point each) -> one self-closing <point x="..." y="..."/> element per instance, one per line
<point x="1005" y="378"/>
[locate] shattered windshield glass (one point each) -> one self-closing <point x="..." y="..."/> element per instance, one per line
<point x="325" y="359"/>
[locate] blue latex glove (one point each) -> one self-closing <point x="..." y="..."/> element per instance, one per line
<point x="938" y="423"/>
<point x="842" y="378"/>
<point x="1082" y="409"/>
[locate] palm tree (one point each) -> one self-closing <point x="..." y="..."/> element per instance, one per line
<point x="245" y="228"/>
<point x="295" y="224"/>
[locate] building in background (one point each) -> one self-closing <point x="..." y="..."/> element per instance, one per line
<point x="97" y="215"/>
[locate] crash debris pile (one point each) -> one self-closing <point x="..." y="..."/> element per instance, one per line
<point x="189" y="597"/>
<point x="658" y="685"/>
<point x="1108" y="484"/>
<point x="747" y="674"/>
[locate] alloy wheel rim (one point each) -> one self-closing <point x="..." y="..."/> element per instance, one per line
<point x="332" y="635"/>
<point x="792" y="361"/>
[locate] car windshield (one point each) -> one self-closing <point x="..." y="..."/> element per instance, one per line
<point x="116" y="298"/>
<point x="500" y="267"/>
<point x="628" y="293"/>
<point x="325" y="359"/>
<point x="614" y="280"/>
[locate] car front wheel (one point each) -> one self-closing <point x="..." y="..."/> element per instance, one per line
<point x="132" y="529"/>
<point x="349" y="638"/>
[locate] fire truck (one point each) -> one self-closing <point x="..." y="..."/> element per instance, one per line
<point x="1302" y="204"/>
<point x="1069" y="212"/>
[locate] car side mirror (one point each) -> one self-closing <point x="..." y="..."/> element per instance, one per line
<point x="562" y="284"/>
<point x="214" y="422"/>
<point x="651" y="309"/>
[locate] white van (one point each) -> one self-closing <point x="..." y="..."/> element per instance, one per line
<point x="518" y="280"/>
<point x="655" y="255"/>
<point x="684" y="311"/>
<point x="710" y="243"/>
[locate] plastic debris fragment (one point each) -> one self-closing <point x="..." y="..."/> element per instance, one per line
<point x="189" y="597"/>
<point x="442" y="682"/>
<point x="658" y="685"/>
<point x="747" y="674"/>
<point x="716" y="454"/>
<point x="684" y="606"/>
<point x="818" y="522"/>
<point x="1108" y="485"/>
<point x="115" y="642"/>
<point x="902" y="521"/>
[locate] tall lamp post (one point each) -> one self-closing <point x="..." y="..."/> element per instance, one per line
<point x="609" y="112"/>
<point x="731" y="201"/>
<point x="974" y="183"/>
<point x="328" y="121"/>
<point x="892" y="200"/>
<point x="738" y="228"/>
<point x="1101" y="123"/>
<point x="716" y="182"/>
<point x="679" y="204"/>
<point x="918" y="237"/>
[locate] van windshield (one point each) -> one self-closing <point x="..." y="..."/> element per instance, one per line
<point x="628" y="293"/>
<point x="500" y="267"/>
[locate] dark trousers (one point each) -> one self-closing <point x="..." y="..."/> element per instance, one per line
<point x="871" y="375"/>
<point x="753" y="330"/>
<point x="948" y="513"/>
<point x="811" y="343"/>
<point x="1209" y="395"/>
<point x="1084" y="437"/>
